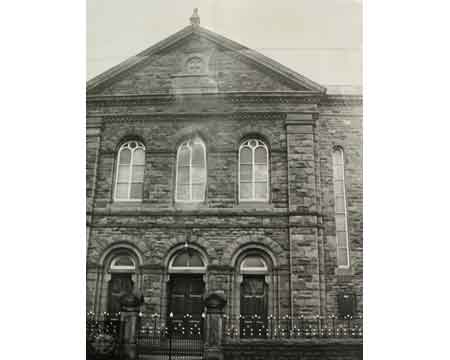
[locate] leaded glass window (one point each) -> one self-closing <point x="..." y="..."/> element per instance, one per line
<point x="253" y="171"/>
<point x="130" y="171"/>
<point x="191" y="171"/>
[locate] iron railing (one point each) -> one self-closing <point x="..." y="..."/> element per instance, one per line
<point x="286" y="327"/>
<point x="170" y="338"/>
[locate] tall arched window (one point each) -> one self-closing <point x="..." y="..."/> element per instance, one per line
<point x="340" y="206"/>
<point x="191" y="171"/>
<point x="253" y="171"/>
<point x="130" y="171"/>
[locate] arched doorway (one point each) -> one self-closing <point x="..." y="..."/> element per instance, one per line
<point x="122" y="269"/>
<point x="254" y="296"/>
<point x="186" y="286"/>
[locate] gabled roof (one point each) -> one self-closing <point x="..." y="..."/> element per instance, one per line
<point x="250" y="54"/>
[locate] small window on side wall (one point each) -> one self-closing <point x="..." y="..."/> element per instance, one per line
<point x="130" y="172"/>
<point x="191" y="171"/>
<point x="253" y="171"/>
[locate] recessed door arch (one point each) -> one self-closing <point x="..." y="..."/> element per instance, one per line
<point x="186" y="286"/>
<point x="119" y="273"/>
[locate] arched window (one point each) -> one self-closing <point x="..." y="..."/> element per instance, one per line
<point x="123" y="263"/>
<point x="253" y="171"/>
<point x="191" y="171"/>
<point x="343" y="258"/>
<point x="187" y="260"/>
<point x="253" y="264"/>
<point x="130" y="171"/>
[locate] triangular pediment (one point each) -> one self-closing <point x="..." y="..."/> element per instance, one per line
<point x="198" y="60"/>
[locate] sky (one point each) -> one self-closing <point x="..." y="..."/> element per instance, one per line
<point x="320" y="39"/>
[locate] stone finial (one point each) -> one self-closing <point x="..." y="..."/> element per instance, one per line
<point x="195" y="19"/>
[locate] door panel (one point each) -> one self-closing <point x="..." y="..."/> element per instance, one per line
<point x="253" y="306"/>
<point x="119" y="285"/>
<point x="186" y="297"/>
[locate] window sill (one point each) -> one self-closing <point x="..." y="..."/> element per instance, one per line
<point x="190" y="205"/>
<point x="127" y="204"/>
<point x="344" y="271"/>
<point x="255" y="205"/>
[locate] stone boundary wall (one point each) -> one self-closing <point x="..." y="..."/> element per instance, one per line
<point x="349" y="349"/>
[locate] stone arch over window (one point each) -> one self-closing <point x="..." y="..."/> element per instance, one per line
<point x="253" y="170"/>
<point x="187" y="261"/>
<point x="266" y="244"/>
<point x="129" y="182"/>
<point x="257" y="131"/>
<point x="191" y="171"/>
<point x="186" y="258"/>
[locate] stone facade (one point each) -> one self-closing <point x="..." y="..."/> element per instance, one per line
<point x="239" y="94"/>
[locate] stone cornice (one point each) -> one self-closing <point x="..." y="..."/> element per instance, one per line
<point x="235" y="97"/>
<point x="142" y="117"/>
<point x="350" y="100"/>
<point x="118" y="100"/>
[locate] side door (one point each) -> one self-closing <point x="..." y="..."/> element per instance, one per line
<point x="253" y="306"/>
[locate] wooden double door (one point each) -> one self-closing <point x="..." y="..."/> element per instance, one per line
<point x="185" y="301"/>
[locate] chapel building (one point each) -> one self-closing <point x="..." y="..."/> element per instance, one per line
<point x="212" y="167"/>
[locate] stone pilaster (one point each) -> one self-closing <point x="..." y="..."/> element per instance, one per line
<point x="303" y="217"/>
<point x="129" y="317"/>
<point x="215" y="303"/>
